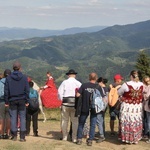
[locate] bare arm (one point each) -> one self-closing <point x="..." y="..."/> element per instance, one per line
<point x="78" y="94"/>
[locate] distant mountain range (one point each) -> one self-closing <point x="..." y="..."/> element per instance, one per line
<point x="7" y="34"/>
<point x="107" y="52"/>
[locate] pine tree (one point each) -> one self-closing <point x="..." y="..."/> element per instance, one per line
<point x="143" y="64"/>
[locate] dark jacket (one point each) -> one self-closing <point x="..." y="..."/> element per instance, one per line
<point x="16" y="87"/>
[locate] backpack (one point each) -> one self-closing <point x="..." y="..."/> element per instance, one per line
<point x="96" y="101"/>
<point x="105" y="98"/>
<point x="2" y="83"/>
<point x="113" y="95"/>
<point x="33" y="100"/>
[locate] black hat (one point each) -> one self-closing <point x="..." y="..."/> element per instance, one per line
<point x="71" y="71"/>
<point x="7" y="72"/>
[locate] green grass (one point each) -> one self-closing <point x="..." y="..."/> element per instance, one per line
<point x="52" y="113"/>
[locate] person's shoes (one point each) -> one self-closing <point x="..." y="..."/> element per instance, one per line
<point x="22" y="140"/>
<point x="145" y="137"/>
<point x="101" y="139"/>
<point x="79" y="142"/>
<point x="89" y="142"/>
<point x="1" y="136"/>
<point x="14" y="138"/>
<point x="5" y="136"/>
<point x="148" y="141"/>
<point x="74" y="141"/>
<point x="64" y="138"/>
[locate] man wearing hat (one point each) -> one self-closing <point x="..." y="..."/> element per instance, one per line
<point x="16" y="94"/>
<point x="66" y="92"/>
<point x="112" y="110"/>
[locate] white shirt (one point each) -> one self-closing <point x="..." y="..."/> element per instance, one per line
<point x="68" y="87"/>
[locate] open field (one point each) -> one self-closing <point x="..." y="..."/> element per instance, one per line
<point x="49" y="139"/>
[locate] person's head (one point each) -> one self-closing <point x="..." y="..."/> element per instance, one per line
<point x="134" y="75"/>
<point x="29" y="79"/>
<point x="7" y="72"/>
<point x="102" y="80"/>
<point x="16" y="66"/>
<point x="31" y="84"/>
<point x="118" y="79"/>
<point x="146" y="80"/>
<point x="48" y="74"/>
<point x="93" y="77"/>
<point x="71" y="73"/>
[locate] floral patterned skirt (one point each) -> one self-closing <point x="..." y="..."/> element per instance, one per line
<point x="130" y="121"/>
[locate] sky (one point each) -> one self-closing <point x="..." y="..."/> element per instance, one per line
<point x="62" y="14"/>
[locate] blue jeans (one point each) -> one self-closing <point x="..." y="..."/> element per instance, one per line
<point x="82" y="120"/>
<point x="100" y="123"/>
<point x="148" y="121"/>
<point x="17" y="109"/>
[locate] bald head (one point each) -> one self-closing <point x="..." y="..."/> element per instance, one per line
<point x="93" y="76"/>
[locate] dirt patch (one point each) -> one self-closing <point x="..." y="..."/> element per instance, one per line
<point x="49" y="139"/>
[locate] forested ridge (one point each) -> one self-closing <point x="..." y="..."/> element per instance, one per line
<point x="108" y="51"/>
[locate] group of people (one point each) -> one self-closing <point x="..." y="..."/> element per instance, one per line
<point x="74" y="97"/>
<point x="14" y="100"/>
<point x="20" y="101"/>
<point x="128" y="105"/>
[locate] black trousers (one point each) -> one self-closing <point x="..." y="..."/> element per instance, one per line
<point x="32" y="116"/>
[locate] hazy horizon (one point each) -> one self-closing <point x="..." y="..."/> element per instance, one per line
<point x="59" y="15"/>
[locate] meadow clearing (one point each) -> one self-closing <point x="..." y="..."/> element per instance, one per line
<point x="50" y="134"/>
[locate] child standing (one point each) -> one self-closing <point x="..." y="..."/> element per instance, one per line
<point x="32" y="111"/>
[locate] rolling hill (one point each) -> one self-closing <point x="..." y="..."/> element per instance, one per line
<point x="108" y="51"/>
<point x="7" y="34"/>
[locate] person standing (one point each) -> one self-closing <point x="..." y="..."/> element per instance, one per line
<point x="131" y="123"/>
<point x="49" y="93"/>
<point x="4" y="112"/>
<point x="66" y="93"/>
<point x="85" y="91"/>
<point x="32" y="111"/>
<point x="16" y="94"/>
<point x="112" y="100"/>
<point x="101" y="115"/>
<point x="146" y="97"/>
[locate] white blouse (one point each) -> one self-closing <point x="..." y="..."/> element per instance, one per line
<point x="124" y="87"/>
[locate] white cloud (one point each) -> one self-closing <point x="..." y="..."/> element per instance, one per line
<point x="67" y="13"/>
